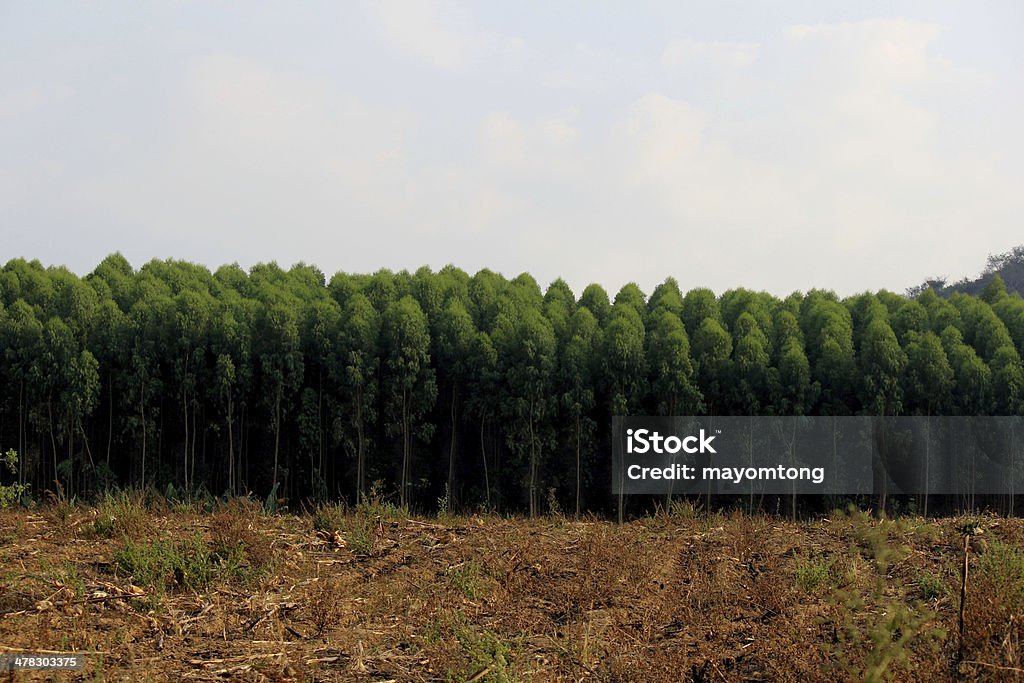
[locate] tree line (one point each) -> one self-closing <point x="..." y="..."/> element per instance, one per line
<point x="444" y="388"/>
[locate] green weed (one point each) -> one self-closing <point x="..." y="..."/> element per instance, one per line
<point x="468" y="578"/>
<point x="1001" y="567"/>
<point x="813" y="572"/>
<point x="119" y="513"/>
<point x="329" y="517"/>
<point x="162" y="564"/>
<point x="483" y="651"/>
<point x="930" y="586"/>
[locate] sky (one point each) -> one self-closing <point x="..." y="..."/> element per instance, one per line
<point x="776" y="146"/>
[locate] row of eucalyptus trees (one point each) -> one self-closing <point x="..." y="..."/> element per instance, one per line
<point x="441" y="387"/>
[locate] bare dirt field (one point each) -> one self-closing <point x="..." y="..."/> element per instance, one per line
<point x="158" y="592"/>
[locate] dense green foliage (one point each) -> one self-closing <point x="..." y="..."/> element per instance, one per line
<point x="477" y="390"/>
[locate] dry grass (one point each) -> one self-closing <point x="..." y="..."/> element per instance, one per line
<point x="370" y="594"/>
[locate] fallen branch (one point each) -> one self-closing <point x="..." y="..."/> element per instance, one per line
<point x="233" y="660"/>
<point x="44" y="605"/>
<point x="33" y="650"/>
<point x="995" y="666"/>
<point x="480" y="674"/>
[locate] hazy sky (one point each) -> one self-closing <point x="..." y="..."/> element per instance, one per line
<point x="776" y="146"/>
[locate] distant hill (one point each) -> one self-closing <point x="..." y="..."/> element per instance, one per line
<point x="1008" y="265"/>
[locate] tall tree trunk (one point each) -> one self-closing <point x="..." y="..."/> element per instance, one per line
<point x="792" y="453"/>
<point x="53" y="440"/>
<point x="184" y="413"/>
<point x="231" y="448"/>
<point x="578" y="439"/>
<point x="211" y="476"/>
<point x="405" y="448"/>
<point x="450" y="491"/>
<point x="883" y="495"/>
<point x="160" y="433"/>
<point x="750" y="461"/>
<point x="319" y="431"/>
<point x="533" y="479"/>
<point x="110" y="414"/>
<point x="85" y="442"/>
<point x="142" y="412"/>
<point x="71" y="457"/>
<point x="195" y="431"/>
<point x="21" y="433"/>
<point x="927" y="458"/>
<point x="243" y="449"/>
<point x="483" y="455"/>
<point x="360" y="448"/>
<point x="277" y="433"/>
<point x="496" y="449"/>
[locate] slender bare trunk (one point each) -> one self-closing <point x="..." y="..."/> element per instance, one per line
<point x="578" y="439"/>
<point x="142" y="412"/>
<point x="750" y="462"/>
<point x="792" y="454"/>
<point x="21" y="433"/>
<point x="243" y="448"/>
<point x="885" y="479"/>
<point x="277" y="434"/>
<point x="53" y="440"/>
<point x="320" y="450"/>
<point x="231" y="448"/>
<point x="192" y="472"/>
<point x="360" y="448"/>
<point x="85" y="442"/>
<point x="405" y="449"/>
<point x="483" y="455"/>
<point x="184" y="412"/>
<point x="71" y="461"/>
<point x="110" y="413"/>
<point x="450" y="492"/>
<point x="533" y="465"/>
<point x="927" y="457"/>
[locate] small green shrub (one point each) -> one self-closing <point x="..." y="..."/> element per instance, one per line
<point x="875" y="538"/>
<point x="374" y="504"/>
<point x="360" y="534"/>
<point x="468" y="578"/>
<point x="1001" y="567"/>
<point x="482" y="651"/>
<point x="892" y="638"/>
<point x="329" y="517"/>
<point x="813" y="572"/>
<point x="119" y="513"/>
<point x="889" y="635"/>
<point x="162" y="564"/>
<point x="12" y="492"/>
<point x="930" y="585"/>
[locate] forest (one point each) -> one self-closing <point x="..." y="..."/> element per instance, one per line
<point x="444" y="389"/>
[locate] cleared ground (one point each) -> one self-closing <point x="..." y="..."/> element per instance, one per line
<point x="158" y="593"/>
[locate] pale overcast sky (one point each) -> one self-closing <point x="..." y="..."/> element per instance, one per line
<point x="777" y="146"/>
